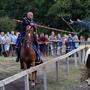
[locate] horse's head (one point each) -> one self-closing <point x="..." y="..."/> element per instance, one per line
<point x="29" y="34"/>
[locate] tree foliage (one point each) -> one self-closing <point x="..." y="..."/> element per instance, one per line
<point x="7" y="24"/>
<point x="48" y="12"/>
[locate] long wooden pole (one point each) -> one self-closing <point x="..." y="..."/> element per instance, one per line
<point x="48" y="28"/>
<point x="54" y="29"/>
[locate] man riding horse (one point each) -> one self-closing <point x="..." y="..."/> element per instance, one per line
<point x="28" y="20"/>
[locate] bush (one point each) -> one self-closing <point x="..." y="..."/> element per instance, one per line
<point x="7" y="24"/>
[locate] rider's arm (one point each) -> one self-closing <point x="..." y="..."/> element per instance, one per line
<point x="24" y="24"/>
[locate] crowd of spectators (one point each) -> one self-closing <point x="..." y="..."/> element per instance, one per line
<point x="7" y="42"/>
<point x="53" y="43"/>
<point x="58" y="44"/>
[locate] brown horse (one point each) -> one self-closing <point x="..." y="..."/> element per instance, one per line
<point x="27" y="54"/>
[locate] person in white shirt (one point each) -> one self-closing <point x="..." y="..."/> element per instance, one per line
<point x="59" y="44"/>
<point x="7" y="44"/>
<point x="52" y="39"/>
<point x="76" y="39"/>
<point x="13" y="42"/>
<point x="2" y="41"/>
<point x="13" y="37"/>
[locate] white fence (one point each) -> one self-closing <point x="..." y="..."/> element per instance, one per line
<point x="81" y="52"/>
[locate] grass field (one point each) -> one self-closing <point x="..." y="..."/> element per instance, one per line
<point x="9" y="67"/>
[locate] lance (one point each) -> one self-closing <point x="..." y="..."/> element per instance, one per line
<point x="48" y="28"/>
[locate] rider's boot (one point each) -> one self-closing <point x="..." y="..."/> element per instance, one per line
<point x="18" y="55"/>
<point x="17" y="59"/>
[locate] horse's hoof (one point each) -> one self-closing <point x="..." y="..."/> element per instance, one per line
<point x="33" y="84"/>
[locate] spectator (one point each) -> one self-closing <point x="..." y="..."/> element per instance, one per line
<point x="46" y="45"/>
<point x="82" y="40"/>
<point x="7" y="44"/>
<point x="64" y="44"/>
<point x="59" y="44"/>
<point x="13" y="41"/>
<point x="52" y="40"/>
<point x="13" y="37"/>
<point x="43" y="41"/>
<point x="2" y="39"/>
<point x="17" y="34"/>
<point x="70" y="43"/>
<point x="76" y="41"/>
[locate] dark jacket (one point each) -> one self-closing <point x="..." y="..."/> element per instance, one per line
<point x="26" y="22"/>
<point x="21" y="27"/>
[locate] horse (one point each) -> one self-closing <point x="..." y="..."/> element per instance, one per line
<point x="27" y="53"/>
<point x="86" y="70"/>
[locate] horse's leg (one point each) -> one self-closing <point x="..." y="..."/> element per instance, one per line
<point x="36" y="81"/>
<point x="21" y="64"/>
<point x="33" y="75"/>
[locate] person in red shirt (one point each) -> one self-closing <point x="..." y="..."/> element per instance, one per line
<point x="43" y="43"/>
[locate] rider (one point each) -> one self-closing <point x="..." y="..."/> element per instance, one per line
<point x="28" y="20"/>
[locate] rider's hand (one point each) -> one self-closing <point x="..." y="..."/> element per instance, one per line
<point x="28" y="27"/>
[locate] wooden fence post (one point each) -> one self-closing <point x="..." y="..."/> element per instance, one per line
<point x="79" y="57"/>
<point x="26" y="79"/>
<point x="45" y="79"/>
<point x="57" y="69"/>
<point x="83" y="56"/>
<point x="3" y="87"/>
<point x="75" y="57"/>
<point x="67" y="66"/>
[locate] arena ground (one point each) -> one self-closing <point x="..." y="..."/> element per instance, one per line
<point x="9" y="67"/>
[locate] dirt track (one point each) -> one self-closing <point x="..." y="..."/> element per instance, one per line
<point x="72" y="82"/>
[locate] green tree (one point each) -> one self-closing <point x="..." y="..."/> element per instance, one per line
<point x="7" y="24"/>
<point x="47" y="12"/>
